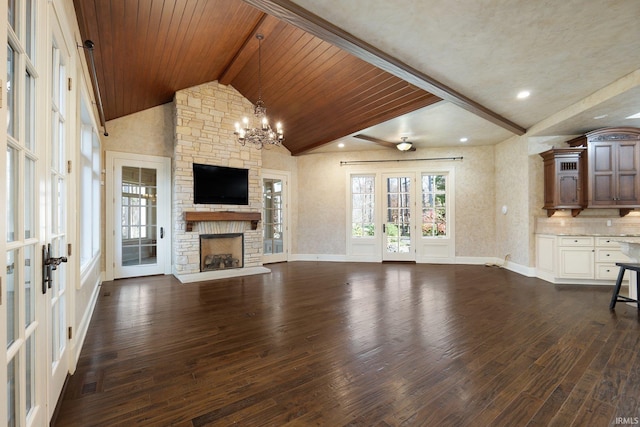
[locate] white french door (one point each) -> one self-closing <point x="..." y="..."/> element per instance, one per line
<point x="37" y="220"/>
<point x="56" y="279"/>
<point x="402" y="216"/>
<point x="25" y="374"/>
<point x="274" y="217"/>
<point x="141" y="215"/>
<point x="398" y="218"/>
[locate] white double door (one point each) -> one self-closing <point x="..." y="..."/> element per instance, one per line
<point x="37" y="227"/>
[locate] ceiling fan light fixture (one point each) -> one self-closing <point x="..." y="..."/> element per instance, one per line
<point x="404" y="145"/>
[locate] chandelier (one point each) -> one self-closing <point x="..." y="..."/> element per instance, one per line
<point x="262" y="135"/>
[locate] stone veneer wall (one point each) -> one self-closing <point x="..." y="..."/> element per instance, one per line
<point x="205" y="116"/>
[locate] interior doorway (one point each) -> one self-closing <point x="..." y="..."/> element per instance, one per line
<point x="139" y="243"/>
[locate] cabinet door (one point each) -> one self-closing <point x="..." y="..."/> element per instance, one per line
<point x="601" y="165"/>
<point x="614" y="168"/>
<point x="568" y="189"/>
<point x="627" y="173"/>
<point x="576" y="263"/>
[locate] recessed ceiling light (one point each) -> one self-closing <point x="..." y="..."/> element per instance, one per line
<point x="523" y="94"/>
<point x="634" y="116"/>
<point x="601" y="116"/>
<point x="464" y="139"/>
<point x="341" y="145"/>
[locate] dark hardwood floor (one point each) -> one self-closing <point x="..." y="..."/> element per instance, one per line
<point x="357" y="344"/>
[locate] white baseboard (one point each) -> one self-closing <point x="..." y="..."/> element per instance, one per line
<point x="321" y="257"/>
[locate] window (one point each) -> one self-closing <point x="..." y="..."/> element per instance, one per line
<point x="362" y="206"/>
<point x="434" y="205"/>
<point x="90" y="194"/>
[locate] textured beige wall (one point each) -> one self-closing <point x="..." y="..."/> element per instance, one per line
<point x="514" y="233"/>
<point x="148" y="132"/>
<point x="321" y="205"/>
<point x="322" y="196"/>
<point x="475" y="201"/>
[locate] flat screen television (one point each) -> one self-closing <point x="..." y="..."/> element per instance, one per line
<point x="220" y="185"/>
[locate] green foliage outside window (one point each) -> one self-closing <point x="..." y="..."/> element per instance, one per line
<point x="362" y="206"/>
<point x="434" y="206"/>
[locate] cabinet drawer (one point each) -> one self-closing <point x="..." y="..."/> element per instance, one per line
<point x="606" y="271"/>
<point x="607" y="242"/>
<point x="575" y="241"/>
<point x="610" y="255"/>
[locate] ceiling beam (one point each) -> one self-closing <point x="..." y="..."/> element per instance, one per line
<point x="290" y="12"/>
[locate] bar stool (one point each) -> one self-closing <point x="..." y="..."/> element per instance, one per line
<point x="616" y="297"/>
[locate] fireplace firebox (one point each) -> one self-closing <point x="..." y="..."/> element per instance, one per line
<point x="221" y="251"/>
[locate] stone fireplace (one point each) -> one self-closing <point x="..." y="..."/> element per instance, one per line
<point x="221" y="251"/>
<point x="205" y="119"/>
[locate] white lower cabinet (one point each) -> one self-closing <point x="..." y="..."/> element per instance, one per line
<point x="589" y="258"/>
<point x="576" y="263"/>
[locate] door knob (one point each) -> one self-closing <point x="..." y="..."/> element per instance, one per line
<point x="49" y="264"/>
<point x="55" y="262"/>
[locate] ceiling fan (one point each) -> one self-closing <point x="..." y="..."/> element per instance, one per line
<point x="404" y="145"/>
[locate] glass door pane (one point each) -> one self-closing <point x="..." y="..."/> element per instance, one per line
<point x="273" y="216"/>
<point x="397" y="219"/>
<point x="139" y="216"/>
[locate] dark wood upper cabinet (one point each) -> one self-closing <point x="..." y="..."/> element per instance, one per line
<point x="613" y="168"/>
<point x="564" y="179"/>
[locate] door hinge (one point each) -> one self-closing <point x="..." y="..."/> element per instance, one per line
<point x="70" y="332"/>
<point x="69" y="249"/>
<point x="68" y="166"/>
<point x="69" y="83"/>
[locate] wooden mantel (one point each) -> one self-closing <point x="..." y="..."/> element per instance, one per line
<point x="191" y="217"/>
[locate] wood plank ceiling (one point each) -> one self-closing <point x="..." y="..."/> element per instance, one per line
<point x="146" y="50"/>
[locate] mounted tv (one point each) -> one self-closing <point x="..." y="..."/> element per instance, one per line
<point x="220" y="185"/>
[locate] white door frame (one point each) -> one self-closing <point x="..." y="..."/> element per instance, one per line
<point x="285" y="177"/>
<point x="163" y="164"/>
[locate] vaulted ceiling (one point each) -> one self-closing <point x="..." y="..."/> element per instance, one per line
<point x="145" y="51"/>
<point x="431" y="70"/>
